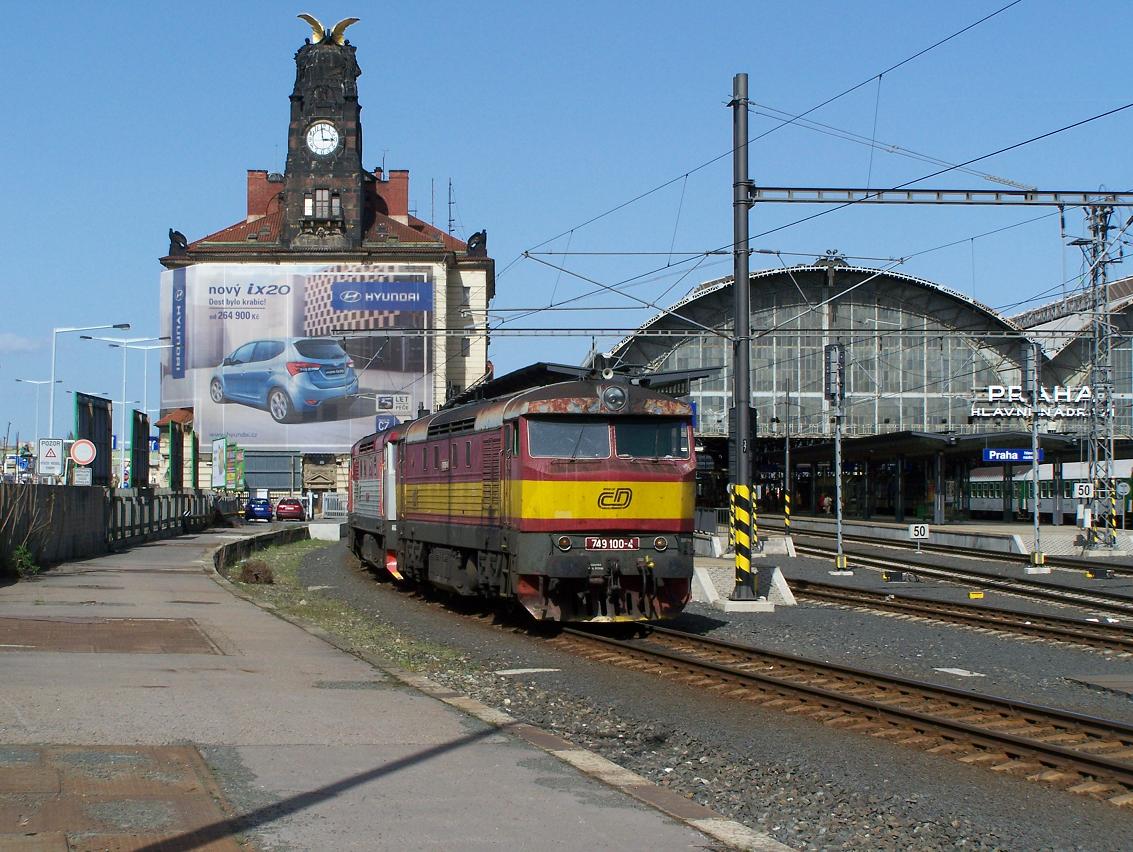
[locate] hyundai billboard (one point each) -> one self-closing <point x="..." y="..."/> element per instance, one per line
<point x="292" y="356"/>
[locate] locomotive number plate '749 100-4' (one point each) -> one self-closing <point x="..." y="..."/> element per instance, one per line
<point x="597" y="542"/>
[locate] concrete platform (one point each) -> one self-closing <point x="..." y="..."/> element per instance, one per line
<point x="1014" y="537"/>
<point x="327" y="530"/>
<point x="714" y="580"/>
<point x="115" y="736"/>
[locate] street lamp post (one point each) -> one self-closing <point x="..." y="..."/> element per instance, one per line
<point x="55" y="332"/>
<point x="145" y="350"/>
<point x="37" y="383"/>
<point x="125" y="344"/>
<point x="145" y="365"/>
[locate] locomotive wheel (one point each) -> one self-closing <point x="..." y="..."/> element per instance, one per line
<point x="471" y="574"/>
<point x="372" y="557"/>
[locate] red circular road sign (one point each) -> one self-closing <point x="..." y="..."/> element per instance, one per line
<point x="83" y="451"/>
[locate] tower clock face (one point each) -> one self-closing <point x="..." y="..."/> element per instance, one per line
<point x="322" y="138"/>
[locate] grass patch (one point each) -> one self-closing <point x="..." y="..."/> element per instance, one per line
<point x="354" y="630"/>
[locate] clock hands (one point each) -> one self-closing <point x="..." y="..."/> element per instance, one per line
<point x="322" y="137"/>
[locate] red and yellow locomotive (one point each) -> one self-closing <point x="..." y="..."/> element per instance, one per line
<point x="573" y="499"/>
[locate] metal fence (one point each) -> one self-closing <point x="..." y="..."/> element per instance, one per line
<point x="334" y="506"/>
<point x="139" y="515"/>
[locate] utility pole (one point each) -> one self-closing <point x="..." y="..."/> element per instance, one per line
<point x="741" y="342"/>
<point x="835" y="362"/>
<point x="450" y="219"/>
<point x="1032" y="355"/>
<point x="787" y="461"/>
<point x="1103" y="503"/>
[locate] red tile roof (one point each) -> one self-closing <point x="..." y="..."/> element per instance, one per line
<point x="177" y="415"/>
<point x="383" y="229"/>
<point x="265" y="229"/>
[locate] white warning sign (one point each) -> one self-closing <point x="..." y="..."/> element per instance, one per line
<point x="50" y="457"/>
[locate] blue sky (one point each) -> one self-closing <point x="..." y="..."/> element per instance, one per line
<point x="130" y="118"/>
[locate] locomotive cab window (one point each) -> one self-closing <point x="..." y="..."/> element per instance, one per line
<point x="652" y="438"/>
<point x="574" y="438"/>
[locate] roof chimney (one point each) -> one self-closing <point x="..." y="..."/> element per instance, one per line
<point x="260" y="193"/>
<point x="397" y="195"/>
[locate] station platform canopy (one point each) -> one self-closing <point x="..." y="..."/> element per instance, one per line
<point x="912" y="445"/>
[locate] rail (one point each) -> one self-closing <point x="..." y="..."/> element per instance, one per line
<point x="1096" y="599"/>
<point x="1079" y="753"/>
<point x="1074" y="631"/>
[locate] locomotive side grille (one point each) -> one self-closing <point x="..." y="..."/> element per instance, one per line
<point x="490" y="498"/>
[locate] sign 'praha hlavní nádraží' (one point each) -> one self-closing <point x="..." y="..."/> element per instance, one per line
<point x="1054" y="403"/>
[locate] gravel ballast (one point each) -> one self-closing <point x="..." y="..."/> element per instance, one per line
<point x="809" y="786"/>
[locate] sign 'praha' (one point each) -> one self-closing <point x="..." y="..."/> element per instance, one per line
<point x="1056" y="403"/>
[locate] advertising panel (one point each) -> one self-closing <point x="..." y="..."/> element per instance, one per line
<point x="93" y="421"/>
<point x="219" y="460"/>
<point x="291" y="356"/>
<point x="139" y="453"/>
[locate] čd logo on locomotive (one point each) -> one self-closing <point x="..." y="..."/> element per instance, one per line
<point x="615" y="498"/>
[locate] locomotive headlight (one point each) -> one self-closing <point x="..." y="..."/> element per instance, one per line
<point x="660" y="543"/>
<point x="563" y="542"/>
<point x="614" y="397"/>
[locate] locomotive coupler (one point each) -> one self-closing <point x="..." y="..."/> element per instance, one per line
<point x="614" y="589"/>
<point x="645" y="566"/>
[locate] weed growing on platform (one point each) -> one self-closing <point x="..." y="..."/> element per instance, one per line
<point x="22" y="562"/>
<point x="353" y="630"/>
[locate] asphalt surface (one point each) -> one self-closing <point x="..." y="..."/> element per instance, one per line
<point x="806" y="785"/>
<point x="137" y="693"/>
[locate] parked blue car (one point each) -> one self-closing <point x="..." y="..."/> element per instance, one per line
<point x="287" y="377"/>
<point x="258" y="508"/>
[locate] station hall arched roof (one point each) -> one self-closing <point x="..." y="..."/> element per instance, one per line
<point x="710" y="304"/>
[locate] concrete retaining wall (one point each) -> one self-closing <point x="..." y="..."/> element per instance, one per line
<point x="234" y="551"/>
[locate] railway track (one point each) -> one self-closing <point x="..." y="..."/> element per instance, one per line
<point x="1107" y="637"/>
<point x="1070" y="563"/>
<point x="1096" y="600"/>
<point x="1078" y="753"/>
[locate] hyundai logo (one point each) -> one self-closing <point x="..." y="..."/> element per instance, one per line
<point x="349" y="297"/>
<point x="615" y="498"/>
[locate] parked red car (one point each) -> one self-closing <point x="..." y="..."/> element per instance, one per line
<point x="290" y="509"/>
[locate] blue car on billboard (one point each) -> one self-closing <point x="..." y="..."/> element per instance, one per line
<point x="287" y="377"/>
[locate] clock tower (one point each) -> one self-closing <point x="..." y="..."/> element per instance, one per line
<point x="323" y="191"/>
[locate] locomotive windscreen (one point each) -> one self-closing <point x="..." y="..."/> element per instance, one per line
<point x="574" y="438"/>
<point x="589" y="438"/>
<point x="651" y="438"/>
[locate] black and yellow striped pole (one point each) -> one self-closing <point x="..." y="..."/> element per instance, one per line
<point x="787" y="511"/>
<point x="1112" y="514"/>
<point x="731" y="518"/>
<point x="741" y="533"/>
<point x="741" y="342"/>
<point x="754" y="521"/>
